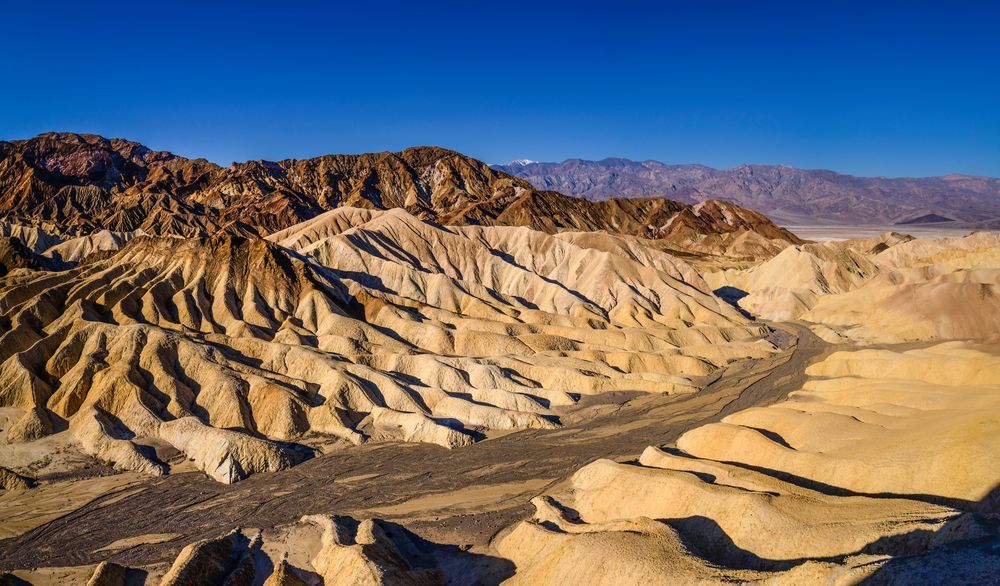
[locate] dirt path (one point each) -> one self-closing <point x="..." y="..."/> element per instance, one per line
<point x="461" y="496"/>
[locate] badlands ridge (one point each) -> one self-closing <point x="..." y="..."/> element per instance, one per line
<point x="352" y="325"/>
<point x="384" y="395"/>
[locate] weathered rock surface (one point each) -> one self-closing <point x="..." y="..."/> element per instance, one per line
<point x="890" y="289"/>
<point x="12" y="481"/>
<point x="86" y="183"/>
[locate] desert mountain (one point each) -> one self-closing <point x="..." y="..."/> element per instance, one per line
<point x="784" y="193"/>
<point x="85" y="183"/>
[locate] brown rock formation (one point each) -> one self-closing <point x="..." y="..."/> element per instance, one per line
<point x="88" y="183"/>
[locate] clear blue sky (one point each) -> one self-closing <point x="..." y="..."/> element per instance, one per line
<point x="871" y="88"/>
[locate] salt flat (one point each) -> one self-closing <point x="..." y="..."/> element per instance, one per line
<point x="819" y="232"/>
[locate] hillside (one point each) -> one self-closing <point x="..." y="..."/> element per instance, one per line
<point x="786" y="194"/>
<point x="84" y="183"/>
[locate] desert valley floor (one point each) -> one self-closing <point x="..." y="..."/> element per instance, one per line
<point x="492" y="385"/>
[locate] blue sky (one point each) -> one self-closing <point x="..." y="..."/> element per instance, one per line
<point x="869" y="88"/>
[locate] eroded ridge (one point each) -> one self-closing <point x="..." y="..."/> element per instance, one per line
<point x="884" y="464"/>
<point x="239" y="353"/>
<point x="891" y="288"/>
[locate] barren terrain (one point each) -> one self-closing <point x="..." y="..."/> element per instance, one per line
<point x="428" y="392"/>
<point x="448" y="496"/>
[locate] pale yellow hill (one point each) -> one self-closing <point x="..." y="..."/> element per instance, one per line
<point x="75" y="249"/>
<point x="35" y="238"/>
<point x="882" y="454"/>
<point x="887" y="289"/>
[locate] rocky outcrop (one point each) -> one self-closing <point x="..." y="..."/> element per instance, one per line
<point x="108" y="574"/>
<point x="74" y="250"/>
<point x="34" y="238"/>
<point x="15" y="255"/>
<point x="227" y="560"/>
<point x="327" y="549"/>
<point x="227" y="456"/>
<point x="284" y="575"/>
<point x="10" y="480"/>
<point x="362" y="553"/>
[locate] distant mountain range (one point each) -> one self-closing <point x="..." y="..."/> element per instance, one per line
<point x="78" y="183"/>
<point x="785" y="194"/>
